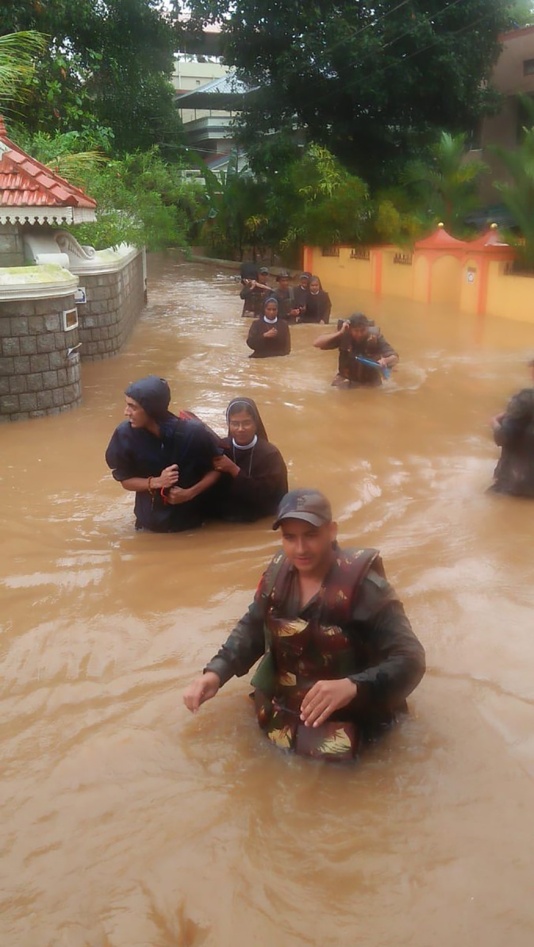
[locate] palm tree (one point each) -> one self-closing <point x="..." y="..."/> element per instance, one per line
<point x="17" y="54"/>
<point x="447" y="183"/>
<point x="518" y="193"/>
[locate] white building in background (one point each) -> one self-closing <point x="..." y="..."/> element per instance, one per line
<point x="208" y="98"/>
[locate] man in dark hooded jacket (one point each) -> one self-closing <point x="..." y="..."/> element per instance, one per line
<point x="167" y="460"/>
<point x="513" y="432"/>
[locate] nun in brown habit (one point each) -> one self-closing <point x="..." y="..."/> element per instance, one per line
<point x="253" y="472"/>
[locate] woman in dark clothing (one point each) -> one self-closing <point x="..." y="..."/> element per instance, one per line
<point x="254" y="475"/>
<point x="318" y="304"/>
<point x="269" y="336"/>
<point x="513" y="432"/>
<point x="166" y="460"/>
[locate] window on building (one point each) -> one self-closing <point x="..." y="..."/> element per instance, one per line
<point x="528" y="67"/>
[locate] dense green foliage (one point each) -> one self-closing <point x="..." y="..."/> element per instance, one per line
<point x="18" y="52"/>
<point x="312" y="199"/>
<point x="371" y="81"/>
<point x="445" y="184"/>
<point x="370" y="88"/>
<point x="107" y="63"/>
<point x="142" y="198"/>
<point x="517" y="193"/>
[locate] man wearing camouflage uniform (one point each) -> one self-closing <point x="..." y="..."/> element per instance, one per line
<point x="339" y="654"/>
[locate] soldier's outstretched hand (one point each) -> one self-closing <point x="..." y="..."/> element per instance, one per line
<point x="202" y="689"/>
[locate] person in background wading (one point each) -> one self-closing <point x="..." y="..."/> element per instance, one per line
<point x="339" y="654"/>
<point x="318" y="304"/>
<point x="253" y="472"/>
<point x="513" y="432"/>
<point x="288" y="308"/>
<point x="253" y="293"/>
<point x="358" y="338"/>
<point x="269" y="336"/>
<point x="166" y="460"/>
<point x="300" y="295"/>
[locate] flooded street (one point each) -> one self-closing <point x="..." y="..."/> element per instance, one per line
<point x="128" y="822"/>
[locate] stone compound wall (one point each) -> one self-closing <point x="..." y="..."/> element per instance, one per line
<point x="114" y="301"/>
<point x="39" y="357"/>
<point x="38" y="374"/>
<point x="11" y="245"/>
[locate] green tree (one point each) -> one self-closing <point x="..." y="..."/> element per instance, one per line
<point x="18" y="52"/>
<point x="371" y="81"/>
<point x="108" y="62"/>
<point x="517" y="193"/>
<point x="141" y="198"/>
<point x="445" y="184"/>
<point x="330" y="205"/>
<point x="396" y="218"/>
<point x="233" y="210"/>
<point x="522" y="12"/>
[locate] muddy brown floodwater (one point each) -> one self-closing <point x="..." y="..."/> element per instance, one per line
<point x="127" y="822"/>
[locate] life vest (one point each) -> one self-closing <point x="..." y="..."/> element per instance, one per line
<point x="299" y="653"/>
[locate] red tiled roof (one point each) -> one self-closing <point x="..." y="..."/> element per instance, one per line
<point x="25" y="182"/>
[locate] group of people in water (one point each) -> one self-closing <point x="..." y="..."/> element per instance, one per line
<point x="365" y="357"/>
<point x="339" y="656"/>
<point x="183" y="473"/>
<point x="274" y="310"/>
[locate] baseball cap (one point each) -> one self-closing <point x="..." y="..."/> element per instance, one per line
<point x="264" y="269"/>
<point x="305" y="276"/>
<point x="308" y="505"/>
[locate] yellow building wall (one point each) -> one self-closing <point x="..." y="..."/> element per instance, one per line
<point x="445" y="280"/>
<point x="421" y="277"/>
<point x="397" y="278"/>
<point x="431" y="278"/>
<point x="510" y="296"/>
<point x="341" y="270"/>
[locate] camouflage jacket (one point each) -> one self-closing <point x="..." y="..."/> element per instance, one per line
<point x="390" y="659"/>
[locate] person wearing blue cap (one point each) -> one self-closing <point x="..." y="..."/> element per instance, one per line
<point x="339" y="656"/>
<point x="165" y="459"/>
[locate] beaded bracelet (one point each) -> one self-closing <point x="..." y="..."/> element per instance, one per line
<point x="150" y="490"/>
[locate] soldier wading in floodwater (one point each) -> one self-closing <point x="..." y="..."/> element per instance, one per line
<point x="339" y="654"/>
